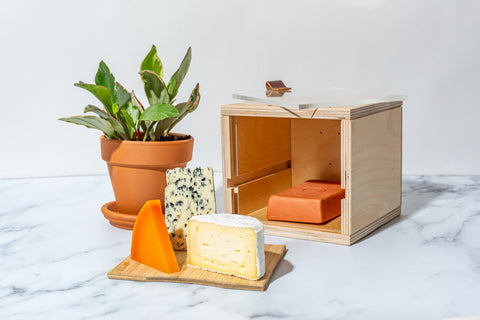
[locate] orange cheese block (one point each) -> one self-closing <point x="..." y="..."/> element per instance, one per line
<point x="313" y="201"/>
<point x="150" y="239"/>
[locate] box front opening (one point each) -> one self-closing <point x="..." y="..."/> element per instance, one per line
<point x="270" y="155"/>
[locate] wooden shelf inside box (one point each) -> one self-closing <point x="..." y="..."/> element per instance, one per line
<point x="268" y="149"/>
<point x="329" y="231"/>
<point x="334" y="225"/>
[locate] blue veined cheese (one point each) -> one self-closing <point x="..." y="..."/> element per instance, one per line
<point x="189" y="192"/>
<point x="227" y="243"/>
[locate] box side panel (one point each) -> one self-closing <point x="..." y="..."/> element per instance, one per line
<point x="251" y="109"/>
<point x="260" y="143"/>
<point x="375" y="225"/>
<point x="374" y="167"/>
<point x="316" y="150"/>
<point x="360" y="111"/>
<point x="345" y="163"/>
<point x="226" y="133"/>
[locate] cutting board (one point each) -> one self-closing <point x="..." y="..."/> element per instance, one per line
<point x="129" y="269"/>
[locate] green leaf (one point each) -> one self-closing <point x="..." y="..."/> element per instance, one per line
<point x="123" y="95"/>
<point x="159" y="111"/>
<point x="100" y="92"/>
<point x="129" y="121"/>
<point x="164" y="124"/>
<point x="133" y="111"/>
<point x="94" y="123"/>
<point x="131" y="114"/>
<point x="119" y="127"/>
<point x="194" y="101"/>
<point x="177" y="78"/>
<point x="144" y="126"/>
<point x="152" y="62"/>
<point x="195" y="98"/>
<point x="154" y="88"/>
<point x="115" y="108"/>
<point x="105" y="78"/>
<point x="148" y="131"/>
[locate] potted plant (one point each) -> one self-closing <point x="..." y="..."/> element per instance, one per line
<point x="138" y="144"/>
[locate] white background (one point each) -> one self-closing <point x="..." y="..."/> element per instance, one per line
<point x="427" y="50"/>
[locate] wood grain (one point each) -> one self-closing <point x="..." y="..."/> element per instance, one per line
<point x="330" y="226"/>
<point x="252" y="109"/>
<point x="326" y="232"/>
<point x="375" y="225"/>
<point x="374" y="182"/>
<point x="260" y="142"/>
<point x="346" y="169"/>
<point x="131" y="270"/>
<point x="254" y="195"/>
<point x="227" y="151"/>
<point x="315" y="150"/>
<point x="257" y="174"/>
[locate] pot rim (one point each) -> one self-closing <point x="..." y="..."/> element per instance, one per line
<point x="108" y="140"/>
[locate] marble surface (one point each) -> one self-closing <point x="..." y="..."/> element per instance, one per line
<point x="56" y="249"/>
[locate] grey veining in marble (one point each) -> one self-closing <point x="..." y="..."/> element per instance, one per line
<point x="56" y="249"/>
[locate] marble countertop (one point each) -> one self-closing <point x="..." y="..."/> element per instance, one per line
<point x="56" y="249"/>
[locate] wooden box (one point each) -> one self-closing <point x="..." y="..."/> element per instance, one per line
<point x="268" y="149"/>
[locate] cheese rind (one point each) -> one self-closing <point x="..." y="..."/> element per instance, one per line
<point x="189" y="192"/>
<point x="227" y="243"/>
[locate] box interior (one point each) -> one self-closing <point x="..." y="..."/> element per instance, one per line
<point x="270" y="155"/>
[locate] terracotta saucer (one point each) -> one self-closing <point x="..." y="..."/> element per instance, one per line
<point x="118" y="219"/>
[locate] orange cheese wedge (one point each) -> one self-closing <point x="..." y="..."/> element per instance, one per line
<point x="150" y="240"/>
<point x="313" y="201"/>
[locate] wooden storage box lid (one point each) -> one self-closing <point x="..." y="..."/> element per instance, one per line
<point x="306" y="99"/>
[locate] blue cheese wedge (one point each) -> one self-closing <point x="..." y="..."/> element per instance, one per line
<point x="190" y="192"/>
<point x="227" y="243"/>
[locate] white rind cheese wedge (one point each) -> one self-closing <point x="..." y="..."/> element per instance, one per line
<point x="227" y="243"/>
<point x="189" y="192"/>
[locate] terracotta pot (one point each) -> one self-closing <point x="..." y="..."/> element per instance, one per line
<point x="137" y="172"/>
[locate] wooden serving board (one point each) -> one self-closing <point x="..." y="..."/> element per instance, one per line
<point x="129" y="269"/>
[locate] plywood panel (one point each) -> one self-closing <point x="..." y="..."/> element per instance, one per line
<point x="316" y="150"/>
<point x="260" y="142"/>
<point x="333" y="112"/>
<point x="374" y="170"/>
<point x="375" y="225"/>
<point x="227" y="150"/>
<point x="254" y="195"/>
<point x="327" y="232"/>
<point x="346" y="169"/>
<point x="330" y="226"/>
<point x="253" y="175"/>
